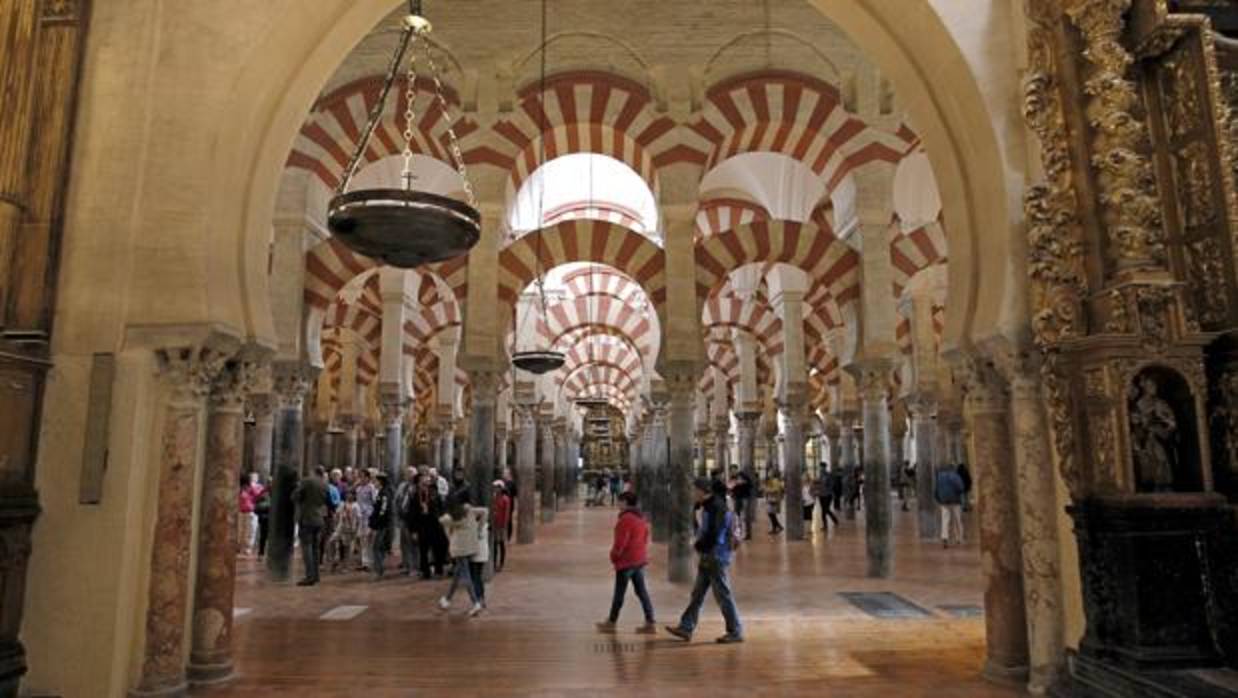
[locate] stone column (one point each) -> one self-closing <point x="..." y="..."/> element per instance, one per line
<point x="292" y="382"/>
<point x="350" y="456"/>
<point x="327" y="448"/>
<point x="1038" y="507"/>
<point x="447" y="447"/>
<point x="1000" y="549"/>
<point x="849" y="459"/>
<point x="526" y="474"/>
<point x="500" y="446"/>
<point x="263" y="407"/>
<point x="833" y="435"/>
<point x="210" y="656"/>
<point x="793" y="464"/>
<point x="748" y="442"/>
<point x="924" y="428"/>
<point x="678" y="478"/>
<point x="878" y="541"/>
<point x="187" y="373"/>
<point x="661" y="464"/>
<point x="546" y="468"/>
<point x="393" y="410"/>
<point x="722" y="443"/>
<point x="481" y="434"/>
<point x="559" y="478"/>
<point x="643" y="448"/>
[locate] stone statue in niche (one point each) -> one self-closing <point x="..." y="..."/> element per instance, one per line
<point x="1154" y="437"/>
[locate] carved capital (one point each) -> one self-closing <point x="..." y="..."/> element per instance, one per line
<point x="985" y="389"/>
<point x="232" y="385"/>
<point x="189" y="371"/>
<point x="485" y="385"/>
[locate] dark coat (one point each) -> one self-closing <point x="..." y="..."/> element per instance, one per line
<point x="311" y="498"/>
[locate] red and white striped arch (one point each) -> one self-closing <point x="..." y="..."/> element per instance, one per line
<point x="329" y="266"/>
<point x="331" y="133"/>
<point x="629" y="252"/>
<point x="915" y="251"/>
<point x="600" y="374"/>
<point x="778" y="111"/>
<point x="725" y="311"/>
<point x="717" y="215"/>
<point x="600" y="311"/>
<point x="809" y="247"/>
<point x="585" y="112"/>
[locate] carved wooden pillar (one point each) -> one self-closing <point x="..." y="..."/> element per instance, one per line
<point x="42" y="39"/>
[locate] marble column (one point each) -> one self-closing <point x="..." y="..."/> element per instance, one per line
<point x="661" y="456"/>
<point x="500" y="446"/>
<point x="187" y="374"/>
<point x="748" y="442"/>
<point x="1005" y="622"/>
<point x="1038" y="507"/>
<point x="327" y="448"/>
<point x="793" y="465"/>
<point x="678" y="478"/>
<point x="210" y="655"/>
<point x="878" y="538"/>
<point x="447" y="446"/>
<point x="849" y="459"/>
<point x="559" y="479"/>
<point x="722" y="443"/>
<point x="292" y="382"/>
<point x="644" y="469"/>
<point x="481" y="434"/>
<point x="526" y="474"/>
<point x="350" y="457"/>
<point x="546" y="468"/>
<point x="263" y="407"/>
<point x="923" y="429"/>
<point x="393" y="409"/>
<point x="833" y="436"/>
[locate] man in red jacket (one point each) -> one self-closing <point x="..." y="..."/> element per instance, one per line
<point x="628" y="555"/>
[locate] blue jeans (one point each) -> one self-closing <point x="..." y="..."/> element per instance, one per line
<point x="710" y="574"/>
<point x="637" y="577"/>
<point x="461" y="576"/>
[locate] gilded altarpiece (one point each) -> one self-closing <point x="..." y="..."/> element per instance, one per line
<point x="1132" y="240"/>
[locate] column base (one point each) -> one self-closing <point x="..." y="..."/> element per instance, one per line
<point x="204" y="673"/>
<point x="180" y="690"/>
<point x="1004" y="674"/>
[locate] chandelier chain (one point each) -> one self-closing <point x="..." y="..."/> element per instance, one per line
<point x="453" y="141"/>
<point x="410" y="115"/>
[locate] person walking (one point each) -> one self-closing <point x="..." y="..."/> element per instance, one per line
<point x="824" y="491"/>
<point x="427" y="509"/>
<point x="773" y="500"/>
<point x="501" y="529"/>
<point x="461" y="528"/>
<point x="629" y="556"/>
<point x="380" y="524"/>
<point x="477" y="563"/>
<point x="366" y="492"/>
<point x="404" y="495"/>
<point x="311" y="500"/>
<point x="807" y="502"/>
<point x="715" y="539"/>
<point x="262" y="511"/>
<point x="948" y="492"/>
<point x="343" y="541"/>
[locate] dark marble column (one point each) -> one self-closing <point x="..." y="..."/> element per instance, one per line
<point x="878" y="538"/>
<point x="327" y="450"/>
<point x="660" y="515"/>
<point x="793" y="464"/>
<point x="526" y="474"/>
<point x="833" y="435"/>
<point x="393" y="409"/>
<point x="448" y="446"/>
<point x="292" y="382"/>
<point x="481" y="434"/>
<point x="546" y="468"/>
<point x="500" y="446"/>
<point x="187" y="373"/>
<point x="678" y="478"/>
<point x="748" y="442"/>
<point x="559" y="437"/>
<point x="849" y="458"/>
<point x="923" y="431"/>
<point x="263" y="407"/>
<point x="644" y="470"/>
<point x="1005" y="620"/>
<point x="210" y="655"/>
<point x="349" y="456"/>
<point x="722" y="444"/>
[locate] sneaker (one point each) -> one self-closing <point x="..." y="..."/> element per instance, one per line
<point x="729" y="639"/>
<point x="605" y="626"/>
<point x="475" y="610"/>
<point x="443" y="603"/>
<point x="647" y="629"/>
<point x="679" y="633"/>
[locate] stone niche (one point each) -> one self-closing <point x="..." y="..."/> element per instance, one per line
<point x="1164" y="439"/>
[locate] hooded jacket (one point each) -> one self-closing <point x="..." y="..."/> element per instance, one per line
<point x="630" y="548"/>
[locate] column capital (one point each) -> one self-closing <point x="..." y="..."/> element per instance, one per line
<point x="232" y="385"/>
<point x="189" y="371"/>
<point x="485" y="384"/>
<point x="292" y="381"/>
<point x="985" y="390"/>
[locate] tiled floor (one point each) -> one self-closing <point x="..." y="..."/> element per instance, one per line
<point x="352" y="636"/>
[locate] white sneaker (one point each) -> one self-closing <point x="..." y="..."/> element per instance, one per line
<point x="443" y="603"/>
<point x="475" y="610"/>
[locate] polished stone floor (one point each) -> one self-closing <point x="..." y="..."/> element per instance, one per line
<point x="352" y="636"/>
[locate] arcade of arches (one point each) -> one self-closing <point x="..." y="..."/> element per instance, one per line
<point x="795" y="236"/>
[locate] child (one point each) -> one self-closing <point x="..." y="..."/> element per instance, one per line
<point x="477" y="565"/>
<point x="344" y="539"/>
<point x="462" y="532"/>
<point x="629" y="556"/>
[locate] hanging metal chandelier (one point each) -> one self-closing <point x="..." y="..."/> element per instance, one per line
<point x="540" y="361"/>
<point x="405" y="227"/>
